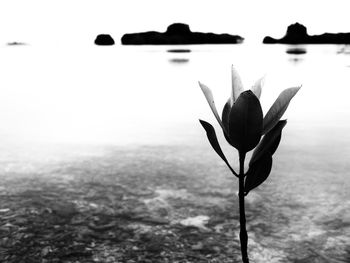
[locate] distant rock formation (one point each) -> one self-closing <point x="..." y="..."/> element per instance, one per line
<point x="179" y="34"/>
<point x="104" y="40"/>
<point x="15" y="43"/>
<point x="297" y="34"/>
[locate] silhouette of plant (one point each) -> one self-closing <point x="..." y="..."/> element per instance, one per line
<point x="243" y="125"/>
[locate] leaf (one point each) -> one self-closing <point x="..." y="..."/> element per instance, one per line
<point x="258" y="172"/>
<point x="278" y="108"/>
<point x="269" y="143"/>
<point x="246" y="122"/>
<point x="214" y="141"/>
<point x="257" y="87"/>
<point x="237" y="86"/>
<point x="209" y="96"/>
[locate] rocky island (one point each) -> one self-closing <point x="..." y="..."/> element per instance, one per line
<point x="179" y="34"/>
<point x="297" y="34"/>
<point x="15" y="43"/>
<point x="104" y="40"/>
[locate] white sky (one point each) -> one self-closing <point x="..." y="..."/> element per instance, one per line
<point x="79" y="21"/>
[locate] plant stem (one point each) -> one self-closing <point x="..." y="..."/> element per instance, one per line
<point x="242" y="220"/>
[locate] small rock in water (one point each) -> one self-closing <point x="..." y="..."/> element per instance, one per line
<point x="67" y="210"/>
<point x="197" y="246"/>
<point x="197" y="221"/>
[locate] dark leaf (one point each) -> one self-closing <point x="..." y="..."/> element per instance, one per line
<point x="275" y="144"/>
<point x="246" y="122"/>
<point x="269" y="143"/>
<point x="278" y="108"/>
<point x="214" y="141"/>
<point x="258" y="172"/>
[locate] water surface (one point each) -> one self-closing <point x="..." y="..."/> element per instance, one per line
<point x="66" y="105"/>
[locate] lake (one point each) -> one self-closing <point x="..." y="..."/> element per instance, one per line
<point x="96" y="112"/>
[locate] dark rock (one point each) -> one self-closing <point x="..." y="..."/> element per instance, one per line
<point x="179" y="34"/>
<point x="66" y="210"/>
<point x="178" y="29"/>
<point x="297" y="34"/>
<point x="104" y="40"/>
<point x="153" y="243"/>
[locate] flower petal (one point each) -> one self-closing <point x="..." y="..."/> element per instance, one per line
<point x="237" y="86"/>
<point x="226" y="113"/>
<point x="245" y="122"/>
<point x="278" y="108"/>
<point x="225" y="117"/>
<point x="257" y="87"/>
<point x="209" y="96"/>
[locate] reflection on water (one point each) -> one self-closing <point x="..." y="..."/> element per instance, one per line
<point x="343" y="49"/>
<point x="295" y="60"/>
<point x="130" y="99"/>
<point x="296" y="50"/>
<point x="179" y="50"/>
<point x="296" y="53"/>
<point x="179" y="60"/>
